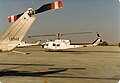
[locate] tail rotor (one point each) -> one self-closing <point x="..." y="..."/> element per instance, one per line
<point x="98" y="35"/>
<point x="43" y="8"/>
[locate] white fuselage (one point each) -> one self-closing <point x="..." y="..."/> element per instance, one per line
<point x="57" y="44"/>
<point x="61" y="44"/>
<point x="24" y="44"/>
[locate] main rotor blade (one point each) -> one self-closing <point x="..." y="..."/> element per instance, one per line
<point x="58" y="34"/>
<point x="40" y="36"/>
<point x="76" y="33"/>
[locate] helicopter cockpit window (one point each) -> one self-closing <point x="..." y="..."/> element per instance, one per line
<point x="58" y="44"/>
<point x="53" y="44"/>
<point x="46" y="44"/>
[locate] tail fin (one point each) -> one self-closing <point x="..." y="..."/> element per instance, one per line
<point x="16" y="32"/>
<point x="98" y="40"/>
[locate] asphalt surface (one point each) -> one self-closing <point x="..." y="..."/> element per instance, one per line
<point x="99" y="64"/>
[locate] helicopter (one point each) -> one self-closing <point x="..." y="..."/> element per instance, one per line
<point x="62" y="44"/>
<point x="21" y="23"/>
<point x="25" y="44"/>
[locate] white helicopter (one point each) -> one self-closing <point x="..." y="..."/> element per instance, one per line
<point x="22" y="22"/>
<point x="61" y="44"/>
<point x="25" y="44"/>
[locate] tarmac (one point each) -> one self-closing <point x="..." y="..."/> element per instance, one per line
<point x="99" y="64"/>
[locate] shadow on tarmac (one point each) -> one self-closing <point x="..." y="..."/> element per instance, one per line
<point x="10" y="72"/>
<point x="27" y="73"/>
<point x="66" y="51"/>
<point x="41" y="74"/>
<point x="27" y="64"/>
<point x="83" y="77"/>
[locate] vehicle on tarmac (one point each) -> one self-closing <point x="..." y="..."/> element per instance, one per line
<point x="62" y="44"/>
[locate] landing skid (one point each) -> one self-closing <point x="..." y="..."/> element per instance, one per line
<point x="50" y="50"/>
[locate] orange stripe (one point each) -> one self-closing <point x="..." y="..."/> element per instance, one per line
<point x="59" y="4"/>
<point x="9" y="19"/>
<point x="52" y="6"/>
<point x="15" y="18"/>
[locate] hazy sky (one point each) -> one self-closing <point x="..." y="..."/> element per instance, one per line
<point x="75" y="16"/>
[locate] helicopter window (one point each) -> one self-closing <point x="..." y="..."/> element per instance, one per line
<point x="53" y="44"/>
<point x="46" y="44"/>
<point x="58" y="44"/>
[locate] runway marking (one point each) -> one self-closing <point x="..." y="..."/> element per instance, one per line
<point x="45" y="80"/>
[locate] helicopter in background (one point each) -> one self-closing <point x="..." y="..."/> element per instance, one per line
<point x="62" y="44"/>
<point x="25" y="44"/>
